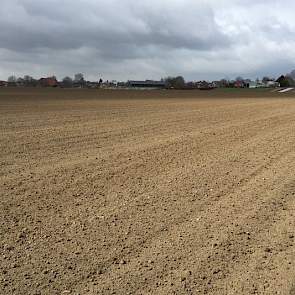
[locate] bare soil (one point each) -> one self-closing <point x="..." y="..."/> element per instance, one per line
<point x="160" y="192"/>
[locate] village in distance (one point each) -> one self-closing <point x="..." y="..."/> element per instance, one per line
<point x="178" y="82"/>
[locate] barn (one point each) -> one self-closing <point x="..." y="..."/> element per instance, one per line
<point x="148" y="84"/>
<point x="48" y="82"/>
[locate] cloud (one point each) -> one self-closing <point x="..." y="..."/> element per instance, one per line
<point x="145" y="39"/>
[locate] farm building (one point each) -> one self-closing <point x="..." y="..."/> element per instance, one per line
<point x="204" y="85"/>
<point x="272" y="84"/>
<point x="260" y="84"/>
<point x="239" y="84"/>
<point x="48" y="82"/>
<point x="3" y="83"/>
<point x="146" y="84"/>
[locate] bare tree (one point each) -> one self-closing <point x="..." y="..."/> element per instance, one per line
<point x="20" y="81"/>
<point x="11" y="79"/>
<point x="292" y="74"/>
<point x="79" y="80"/>
<point x="239" y="79"/>
<point x="224" y="82"/>
<point x="79" y="77"/>
<point x="29" y="81"/>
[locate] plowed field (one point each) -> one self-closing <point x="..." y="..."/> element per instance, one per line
<point x="159" y="192"/>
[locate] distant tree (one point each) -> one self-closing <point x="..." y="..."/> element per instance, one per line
<point x="179" y="82"/>
<point x="231" y="84"/>
<point x="67" y="82"/>
<point x="168" y="82"/>
<point x="223" y="83"/>
<point x="283" y="81"/>
<point x="12" y="79"/>
<point x="79" y="80"/>
<point x="175" y="82"/>
<point x="20" y="81"/>
<point x="290" y="80"/>
<point x="29" y="81"/>
<point x="239" y="79"/>
<point x="79" y="77"/>
<point x="28" y="78"/>
<point x="292" y="74"/>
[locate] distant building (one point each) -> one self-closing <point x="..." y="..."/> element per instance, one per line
<point x="109" y="84"/>
<point x="121" y="84"/>
<point x="272" y="84"/>
<point x="239" y="84"/>
<point x="191" y="85"/>
<point x="3" y="84"/>
<point x="204" y="85"/>
<point x="48" y="82"/>
<point x="267" y="84"/>
<point x="93" y="85"/>
<point x="20" y="82"/>
<point x="219" y="84"/>
<point x="11" y="84"/>
<point x="79" y="83"/>
<point x="253" y="84"/>
<point x="242" y="84"/>
<point x="148" y="84"/>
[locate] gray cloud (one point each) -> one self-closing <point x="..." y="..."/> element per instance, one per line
<point x="145" y="39"/>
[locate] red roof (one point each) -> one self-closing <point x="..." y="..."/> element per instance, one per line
<point x="50" y="82"/>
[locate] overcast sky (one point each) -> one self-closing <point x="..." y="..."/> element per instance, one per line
<point x="128" y="39"/>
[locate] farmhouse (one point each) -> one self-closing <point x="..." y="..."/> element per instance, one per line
<point x="272" y="84"/>
<point x="239" y="84"/>
<point x="146" y="84"/>
<point x="204" y="85"/>
<point x="48" y="82"/>
<point x="92" y="84"/>
<point x="267" y="84"/>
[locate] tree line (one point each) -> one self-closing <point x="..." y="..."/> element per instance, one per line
<point x="29" y="81"/>
<point x="177" y="82"/>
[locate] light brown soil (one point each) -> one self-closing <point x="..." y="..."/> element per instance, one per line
<point x="146" y="192"/>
